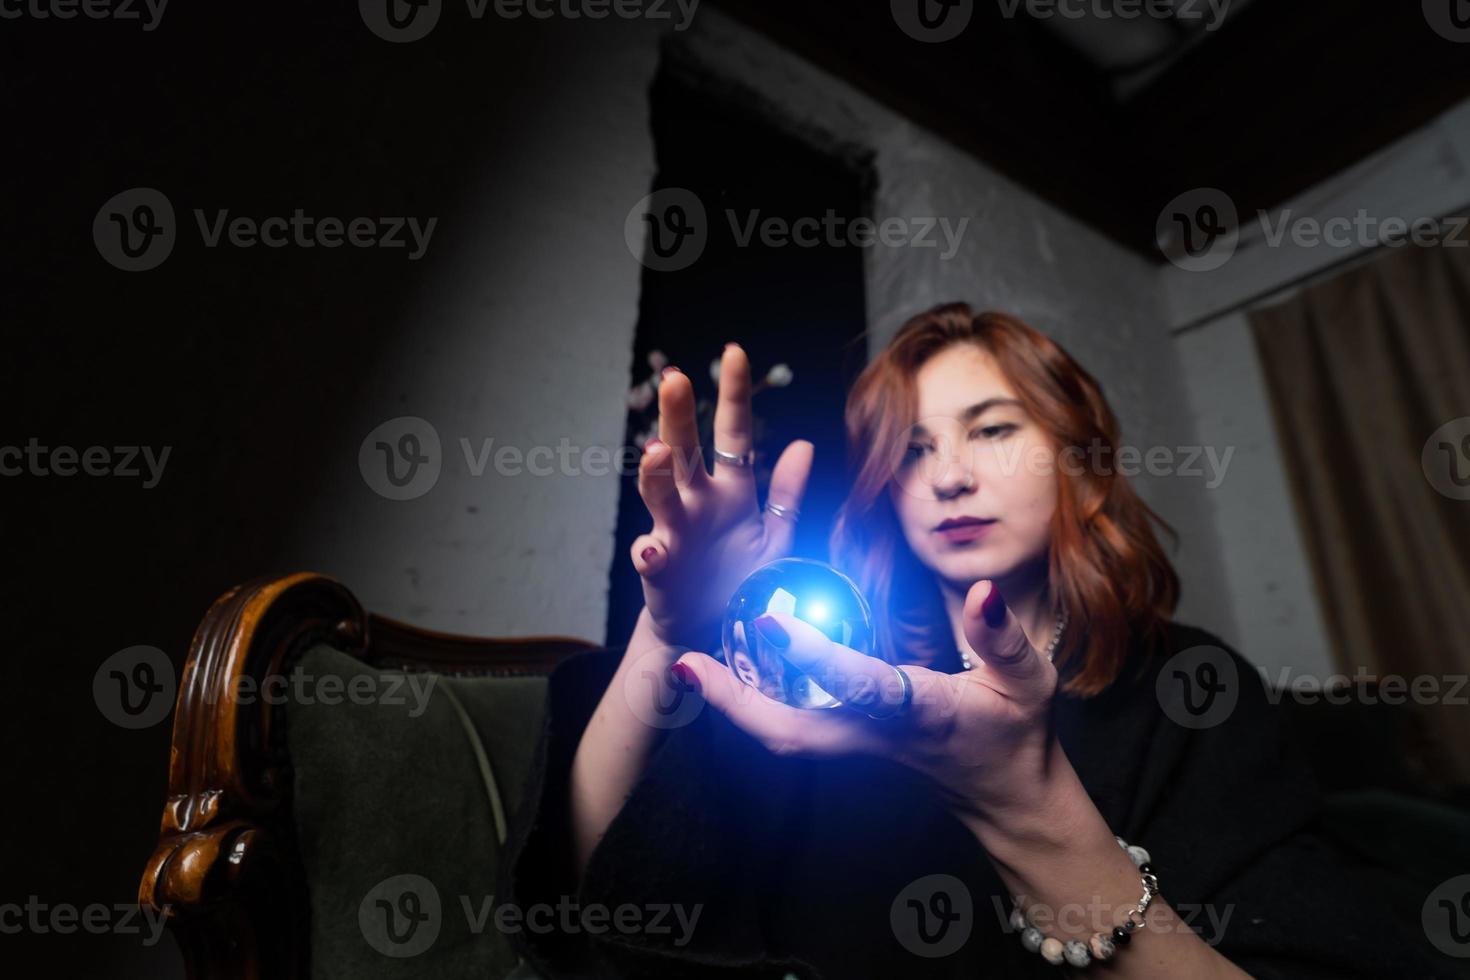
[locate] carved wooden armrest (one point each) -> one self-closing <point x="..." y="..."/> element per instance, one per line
<point x="226" y="871"/>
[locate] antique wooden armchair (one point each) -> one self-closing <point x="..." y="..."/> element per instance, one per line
<point x="226" y="869"/>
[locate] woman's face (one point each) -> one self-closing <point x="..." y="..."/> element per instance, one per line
<point x="977" y="488"/>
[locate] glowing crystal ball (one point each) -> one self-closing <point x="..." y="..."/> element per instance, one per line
<point x="811" y="591"/>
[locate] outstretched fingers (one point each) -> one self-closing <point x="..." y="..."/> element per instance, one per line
<point x="732" y="429"/>
<point x="788" y="486"/>
<point x="678" y="427"/>
<point x="657" y="484"/>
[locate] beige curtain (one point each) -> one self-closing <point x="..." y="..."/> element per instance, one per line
<point x="1362" y="370"/>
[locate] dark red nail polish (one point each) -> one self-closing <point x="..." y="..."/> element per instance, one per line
<point x="993" y="609"/>
<point x="684" y="676"/>
<point x="771" y="629"/>
<point x="647" y="553"/>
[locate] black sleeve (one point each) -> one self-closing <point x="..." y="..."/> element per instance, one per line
<point x="1234" y="836"/>
<point x="678" y="852"/>
<point x="538" y="863"/>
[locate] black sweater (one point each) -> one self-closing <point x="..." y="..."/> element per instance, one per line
<point x="808" y="866"/>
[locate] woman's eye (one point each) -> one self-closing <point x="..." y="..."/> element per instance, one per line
<point x="993" y="431"/>
<point x="913" y="453"/>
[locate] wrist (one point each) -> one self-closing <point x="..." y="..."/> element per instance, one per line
<point x="1044" y="813"/>
<point x="647" y="637"/>
<point x="652" y="633"/>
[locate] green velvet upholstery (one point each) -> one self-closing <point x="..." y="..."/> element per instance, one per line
<point x="383" y="790"/>
<point x="410" y="788"/>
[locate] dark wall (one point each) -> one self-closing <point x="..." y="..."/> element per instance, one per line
<point x="244" y="363"/>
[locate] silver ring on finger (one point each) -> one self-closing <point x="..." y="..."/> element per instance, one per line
<point x="906" y="697"/>
<point x="743" y="460"/>
<point x="785" y="513"/>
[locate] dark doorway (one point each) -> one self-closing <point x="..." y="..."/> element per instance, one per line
<point x="801" y="305"/>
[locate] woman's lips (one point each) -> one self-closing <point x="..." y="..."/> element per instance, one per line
<point x="961" y="531"/>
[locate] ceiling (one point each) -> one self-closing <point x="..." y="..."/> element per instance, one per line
<point x="1111" y="118"/>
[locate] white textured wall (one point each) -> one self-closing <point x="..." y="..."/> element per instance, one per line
<point x="1276" y="610"/>
<point x="526" y="337"/>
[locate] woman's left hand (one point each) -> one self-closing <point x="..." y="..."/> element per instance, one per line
<point x="983" y="735"/>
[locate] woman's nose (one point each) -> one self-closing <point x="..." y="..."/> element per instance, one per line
<point x="952" y="478"/>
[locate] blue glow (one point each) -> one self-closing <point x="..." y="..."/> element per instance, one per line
<point x="812" y="591"/>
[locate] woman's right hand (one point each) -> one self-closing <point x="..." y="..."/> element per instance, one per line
<point x="709" y="531"/>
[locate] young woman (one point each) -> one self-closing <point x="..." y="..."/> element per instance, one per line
<point x="961" y="814"/>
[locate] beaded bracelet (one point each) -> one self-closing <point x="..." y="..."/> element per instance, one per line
<point x="1102" y="946"/>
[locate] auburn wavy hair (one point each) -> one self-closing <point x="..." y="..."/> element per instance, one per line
<point x="1105" y="563"/>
